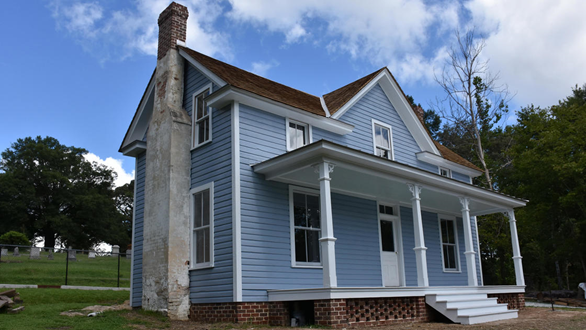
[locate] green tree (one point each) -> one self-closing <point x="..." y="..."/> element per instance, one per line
<point x="14" y="238"/>
<point x="56" y="194"/>
<point x="549" y="169"/>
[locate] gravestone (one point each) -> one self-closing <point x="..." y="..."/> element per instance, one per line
<point x="4" y="252"/>
<point x="16" y="253"/>
<point x="91" y="255"/>
<point x="115" y="250"/>
<point x="129" y="254"/>
<point x="50" y="256"/>
<point x="35" y="253"/>
<point x="71" y="254"/>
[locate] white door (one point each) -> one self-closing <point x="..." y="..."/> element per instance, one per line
<point x="389" y="253"/>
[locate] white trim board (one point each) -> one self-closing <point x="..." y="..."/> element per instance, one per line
<point x="140" y="123"/>
<point x="205" y="71"/>
<point x="133" y="258"/>
<point x="381" y="292"/>
<point x="401" y="105"/>
<point x="236" y="209"/>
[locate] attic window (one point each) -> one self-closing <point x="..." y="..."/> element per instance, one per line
<point x="445" y="172"/>
<point x="383" y="140"/>
<point x="201" y="116"/>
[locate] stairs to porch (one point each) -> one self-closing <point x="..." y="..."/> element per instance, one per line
<point x="469" y="308"/>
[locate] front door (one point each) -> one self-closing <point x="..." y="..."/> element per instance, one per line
<point x="389" y="253"/>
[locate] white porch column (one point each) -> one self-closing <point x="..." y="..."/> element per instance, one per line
<point x="517" y="259"/>
<point x="470" y="254"/>
<point x="327" y="241"/>
<point x="420" y="249"/>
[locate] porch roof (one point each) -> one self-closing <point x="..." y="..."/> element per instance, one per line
<point x="367" y="175"/>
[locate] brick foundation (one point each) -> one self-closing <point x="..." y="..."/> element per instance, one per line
<point x="335" y="313"/>
<point x="271" y="313"/>
<point x="513" y="300"/>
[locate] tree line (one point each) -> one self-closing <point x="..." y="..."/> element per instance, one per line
<point x="50" y="191"/>
<point x="541" y="158"/>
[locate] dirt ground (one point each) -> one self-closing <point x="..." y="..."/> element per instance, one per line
<point x="529" y="318"/>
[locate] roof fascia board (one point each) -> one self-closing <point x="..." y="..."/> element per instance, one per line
<point x="430" y="158"/>
<point x="395" y="96"/>
<point x="228" y="93"/>
<point x="212" y="76"/>
<point x="134" y="126"/>
<point x="400" y="172"/>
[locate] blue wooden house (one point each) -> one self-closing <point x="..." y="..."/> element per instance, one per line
<point x="256" y="202"/>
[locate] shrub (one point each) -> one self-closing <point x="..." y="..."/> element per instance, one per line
<point x="14" y="238"/>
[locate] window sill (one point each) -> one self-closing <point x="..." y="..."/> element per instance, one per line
<point x="300" y="265"/>
<point x="452" y="271"/>
<point x="198" y="267"/>
<point x="201" y="144"/>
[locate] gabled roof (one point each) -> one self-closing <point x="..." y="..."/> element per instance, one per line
<point x="258" y="85"/>
<point x="336" y="99"/>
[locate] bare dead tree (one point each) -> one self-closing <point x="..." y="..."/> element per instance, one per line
<point x="474" y="100"/>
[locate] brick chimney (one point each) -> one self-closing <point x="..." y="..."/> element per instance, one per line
<point x="166" y="240"/>
<point x="419" y="112"/>
<point x="172" y="27"/>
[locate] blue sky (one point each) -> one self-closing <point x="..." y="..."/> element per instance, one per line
<point x="76" y="70"/>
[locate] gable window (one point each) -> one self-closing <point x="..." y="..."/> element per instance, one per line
<point x="445" y="172"/>
<point x="383" y="140"/>
<point x="449" y="244"/>
<point x="202" y="238"/>
<point x="201" y="118"/>
<point x="297" y="135"/>
<point x="306" y="229"/>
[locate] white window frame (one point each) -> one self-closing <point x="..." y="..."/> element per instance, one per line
<point x="294" y="262"/>
<point x="194" y="121"/>
<point x="384" y="125"/>
<point x="308" y="132"/>
<point x="458" y="268"/>
<point x="208" y="186"/>
<point x="445" y="169"/>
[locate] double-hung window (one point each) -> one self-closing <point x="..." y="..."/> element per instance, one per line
<point x="383" y="140"/>
<point x="202" y="226"/>
<point x="306" y="229"/>
<point x="449" y="244"/>
<point x="201" y="117"/>
<point x="297" y="135"/>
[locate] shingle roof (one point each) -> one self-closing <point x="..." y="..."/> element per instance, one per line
<point x="284" y="94"/>
<point x="258" y="85"/>
<point x="336" y="99"/>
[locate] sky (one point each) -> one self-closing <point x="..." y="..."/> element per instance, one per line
<point x="76" y="69"/>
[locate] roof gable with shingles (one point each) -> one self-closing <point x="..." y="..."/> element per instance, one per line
<point x="338" y="98"/>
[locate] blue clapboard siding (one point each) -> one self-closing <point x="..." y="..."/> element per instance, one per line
<point x="358" y="247"/>
<point x="376" y="105"/>
<point x="212" y="162"/>
<point x="431" y="232"/>
<point x="460" y="177"/>
<point x="136" y="294"/>
<point x="266" y="246"/>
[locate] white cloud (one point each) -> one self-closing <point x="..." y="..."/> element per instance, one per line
<point x="117" y="34"/>
<point x="122" y="178"/>
<point x="261" y="68"/>
<point x="538" y="47"/>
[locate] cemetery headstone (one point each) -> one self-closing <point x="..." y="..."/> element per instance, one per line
<point x="91" y="255"/>
<point x="115" y="250"/>
<point x="50" y="256"/>
<point x="129" y="254"/>
<point x="16" y="253"/>
<point x="4" y="252"/>
<point x="71" y="254"/>
<point x="35" y="253"/>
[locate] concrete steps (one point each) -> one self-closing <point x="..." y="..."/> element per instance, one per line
<point x="469" y="308"/>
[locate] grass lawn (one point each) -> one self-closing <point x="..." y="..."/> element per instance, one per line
<point x="100" y="271"/>
<point x="42" y="308"/>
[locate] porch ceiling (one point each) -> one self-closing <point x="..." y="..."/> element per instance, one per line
<point x="369" y="176"/>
